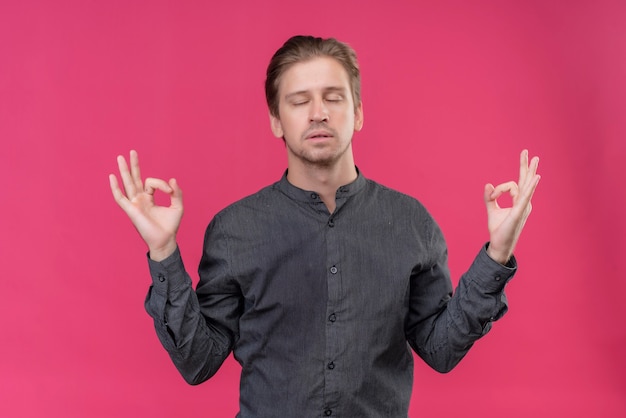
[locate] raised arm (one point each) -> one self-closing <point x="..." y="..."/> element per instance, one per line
<point x="442" y="329"/>
<point x="198" y="342"/>
<point x="506" y="224"/>
<point x="157" y="225"/>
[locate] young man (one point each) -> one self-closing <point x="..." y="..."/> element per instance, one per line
<point x="318" y="281"/>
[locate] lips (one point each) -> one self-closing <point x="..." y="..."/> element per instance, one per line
<point x="319" y="134"/>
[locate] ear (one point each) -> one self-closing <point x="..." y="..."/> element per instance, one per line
<point x="277" y="127"/>
<point x="358" y="117"/>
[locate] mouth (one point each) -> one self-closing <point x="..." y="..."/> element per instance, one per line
<point x="319" y="134"/>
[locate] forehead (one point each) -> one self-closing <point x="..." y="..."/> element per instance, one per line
<point x="316" y="74"/>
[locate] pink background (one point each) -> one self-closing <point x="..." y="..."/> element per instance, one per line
<point x="452" y="92"/>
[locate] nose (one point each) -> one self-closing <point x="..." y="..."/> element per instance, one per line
<point x="319" y="111"/>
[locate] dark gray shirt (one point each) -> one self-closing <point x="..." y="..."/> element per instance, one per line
<point x="321" y="309"/>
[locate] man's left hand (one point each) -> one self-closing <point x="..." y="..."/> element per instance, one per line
<point x="506" y="224"/>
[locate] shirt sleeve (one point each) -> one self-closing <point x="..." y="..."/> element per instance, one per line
<point x="442" y="326"/>
<point x="197" y="339"/>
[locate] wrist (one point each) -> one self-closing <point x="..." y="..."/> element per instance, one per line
<point x="161" y="253"/>
<point x="501" y="257"/>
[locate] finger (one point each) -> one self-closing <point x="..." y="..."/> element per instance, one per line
<point x="510" y="187"/>
<point x="134" y="170"/>
<point x="532" y="178"/>
<point x="115" y="188"/>
<point x="534" y="165"/>
<point x="152" y="184"/>
<point x="528" y="190"/>
<point x="127" y="181"/>
<point x="119" y="197"/>
<point x="177" y="194"/>
<point x="523" y="166"/>
<point x="489" y="201"/>
<point x="522" y="205"/>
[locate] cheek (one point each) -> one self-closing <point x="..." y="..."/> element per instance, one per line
<point x="293" y="123"/>
<point x="290" y="131"/>
<point x="347" y="122"/>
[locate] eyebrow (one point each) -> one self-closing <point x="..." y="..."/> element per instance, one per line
<point x="331" y="89"/>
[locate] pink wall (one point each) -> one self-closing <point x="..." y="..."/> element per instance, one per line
<point x="452" y="92"/>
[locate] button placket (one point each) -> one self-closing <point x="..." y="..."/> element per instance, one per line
<point x="334" y="339"/>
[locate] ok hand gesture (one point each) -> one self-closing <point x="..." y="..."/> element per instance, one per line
<point x="506" y="224"/>
<point x="157" y="225"/>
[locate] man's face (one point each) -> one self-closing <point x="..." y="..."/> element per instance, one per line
<point x="317" y="116"/>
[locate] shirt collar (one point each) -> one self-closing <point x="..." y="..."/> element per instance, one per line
<point x="311" y="196"/>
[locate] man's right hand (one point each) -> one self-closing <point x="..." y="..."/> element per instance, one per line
<point x="157" y="225"/>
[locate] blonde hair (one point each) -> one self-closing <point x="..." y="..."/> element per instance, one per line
<point x="302" y="48"/>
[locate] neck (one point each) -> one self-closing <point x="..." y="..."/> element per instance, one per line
<point x="324" y="180"/>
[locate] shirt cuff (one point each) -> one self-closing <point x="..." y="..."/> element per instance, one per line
<point x="169" y="274"/>
<point x="489" y="274"/>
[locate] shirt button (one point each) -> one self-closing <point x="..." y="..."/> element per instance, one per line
<point x="161" y="278"/>
<point x="331" y="223"/>
<point x="328" y="412"/>
<point x="331" y="365"/>
<point x="313" y="196"/>
<point x="332" y="318"/>
<point x="497" y="278"/>
<point x="334" y="270"/>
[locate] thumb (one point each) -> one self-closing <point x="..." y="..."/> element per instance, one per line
<point x="177" y="193"/>
<point x="489" y="201"/>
